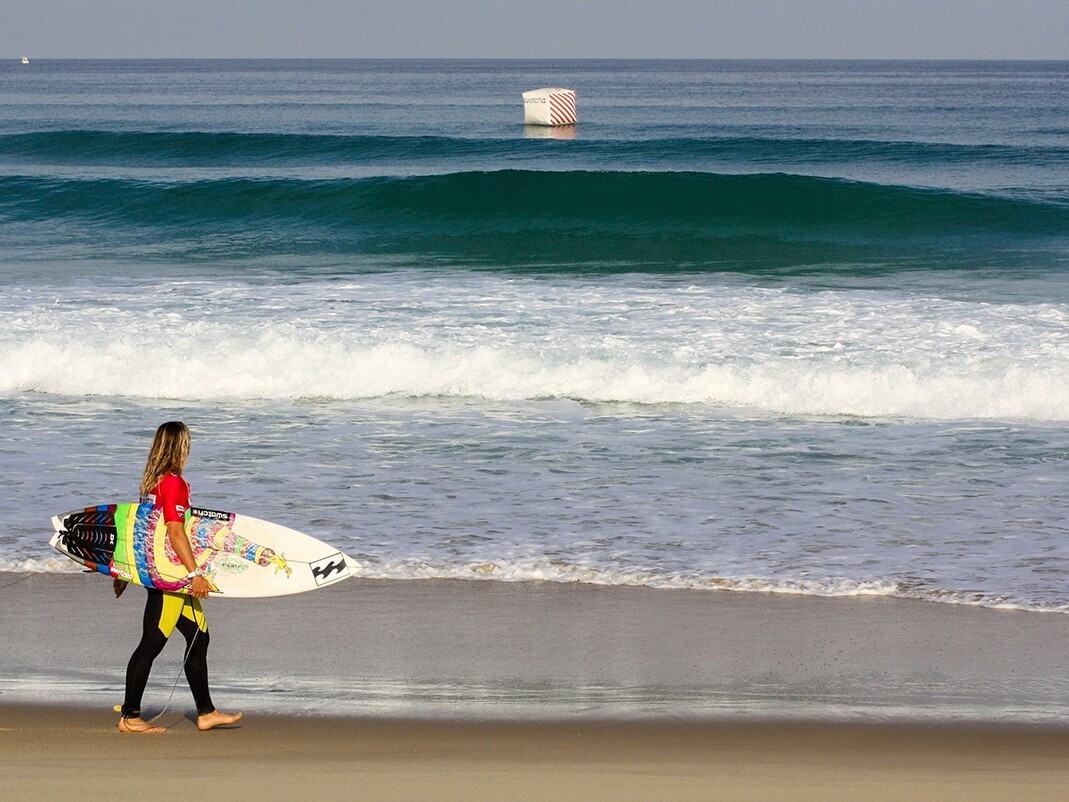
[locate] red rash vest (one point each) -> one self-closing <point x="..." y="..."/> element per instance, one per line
<point x="172" y="493"/>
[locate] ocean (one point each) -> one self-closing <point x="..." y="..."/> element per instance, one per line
<point x="769" y="326"/>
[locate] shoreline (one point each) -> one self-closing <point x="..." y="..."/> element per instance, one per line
<point x="65" y="567"/>
<point x="51" y="752"/>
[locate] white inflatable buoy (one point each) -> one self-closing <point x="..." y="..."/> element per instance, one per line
<point x="549" y="107"/>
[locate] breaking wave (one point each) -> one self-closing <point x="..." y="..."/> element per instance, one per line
<point x="635" y="220"/>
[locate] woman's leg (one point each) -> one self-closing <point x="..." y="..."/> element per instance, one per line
<point x="195" y="630"/>
<point x="152" y="642"/>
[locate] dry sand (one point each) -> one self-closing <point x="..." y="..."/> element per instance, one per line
<point x="52" y="753"/>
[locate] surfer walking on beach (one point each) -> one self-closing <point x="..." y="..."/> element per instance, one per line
<point x="163" y="486"/>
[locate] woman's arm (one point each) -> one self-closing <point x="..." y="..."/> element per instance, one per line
<point x="176" y="534"/>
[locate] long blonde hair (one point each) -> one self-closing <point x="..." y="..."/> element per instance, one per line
<point x="169" y="453"/>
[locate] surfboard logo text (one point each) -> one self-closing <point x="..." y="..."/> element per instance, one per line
<point x="215" y="515"/>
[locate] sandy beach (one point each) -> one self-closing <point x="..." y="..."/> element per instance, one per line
<point x="450" y="690"/>
<point x="53" y="753"/>
<point x="523" y="650"/>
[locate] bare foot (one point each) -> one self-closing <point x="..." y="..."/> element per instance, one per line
<point x="217" y="718"/>
<point x="138" y="725"/>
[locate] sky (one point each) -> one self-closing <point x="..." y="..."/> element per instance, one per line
<point x="908" y="29"/>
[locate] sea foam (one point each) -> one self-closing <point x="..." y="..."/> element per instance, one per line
<point x="837" y="353"/>
<point x="271" y="368"/>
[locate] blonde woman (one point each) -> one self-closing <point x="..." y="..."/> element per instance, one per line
<point x="164" y="486"/>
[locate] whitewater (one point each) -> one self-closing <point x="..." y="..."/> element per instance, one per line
<point x="792" y="327"/>
<point x="618" y="340"/>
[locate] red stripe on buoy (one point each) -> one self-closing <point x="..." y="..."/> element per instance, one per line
<point x="562" y="108"/>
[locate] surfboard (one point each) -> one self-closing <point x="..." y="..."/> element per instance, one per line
<point x="243" y="556"/>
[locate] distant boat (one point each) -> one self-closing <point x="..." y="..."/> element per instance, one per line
<point x="25" y="60"/>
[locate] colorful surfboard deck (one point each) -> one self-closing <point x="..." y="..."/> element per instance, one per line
<point x="243" y="556"/>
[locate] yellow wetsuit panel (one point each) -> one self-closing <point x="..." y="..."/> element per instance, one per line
<point x="178" y="605"/>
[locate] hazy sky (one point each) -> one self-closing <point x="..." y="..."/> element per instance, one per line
<point x="535" y="29"/>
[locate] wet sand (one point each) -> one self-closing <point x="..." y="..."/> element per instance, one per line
<point x="456" y="649"/>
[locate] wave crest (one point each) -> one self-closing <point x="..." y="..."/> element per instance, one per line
<point x="275" y="367"/>
<point x="521" y="217"/>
